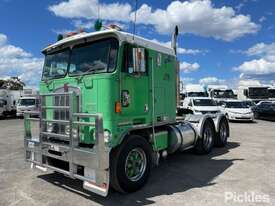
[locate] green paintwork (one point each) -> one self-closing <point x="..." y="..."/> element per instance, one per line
<point x="99" y="92"/>
<point x="134" y="164"/>
<point x="161" y="141"/>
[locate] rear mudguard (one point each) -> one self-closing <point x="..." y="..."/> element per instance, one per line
<point x="197" y="121"/>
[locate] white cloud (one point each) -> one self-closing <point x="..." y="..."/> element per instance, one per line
<point x="88" y="9"/>
<point x="249" y="82"/>
<point x="262" y="19"/>
<point x="257" y="66"/>
<point x="186" y="80"/>
<point x="181" y="50"/>
<point x="264" y="65"/>
<point x="239" y="6"/>
<point x="267" y="51"/>
<point x="211" y="80"/>
<point x="15" y="61"/>
<point x="3" y="39"/>
<point x="198" y="17"/>
<point x="188" y="67"/>
<point x="78" y="23"/>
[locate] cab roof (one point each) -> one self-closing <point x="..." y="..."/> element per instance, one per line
<point x="122" y="36"/>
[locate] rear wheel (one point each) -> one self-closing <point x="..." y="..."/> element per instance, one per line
<point x="222" y="134"/>
<point x="205" y="143"/>
<point x="131" y="164"/>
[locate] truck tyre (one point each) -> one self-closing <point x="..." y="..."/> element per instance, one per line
<point x="131" y="164"/>
<point x="222" y="134"/>
<point x="205" y="143"/>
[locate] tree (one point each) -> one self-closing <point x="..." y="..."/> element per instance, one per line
<point x="13" y="83"/>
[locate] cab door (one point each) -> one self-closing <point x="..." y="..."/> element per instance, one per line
<point x="134" y="86"/>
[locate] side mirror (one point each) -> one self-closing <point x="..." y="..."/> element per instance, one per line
<point x="139" y="60"/>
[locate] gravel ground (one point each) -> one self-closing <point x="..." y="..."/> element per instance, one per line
<point x="240" y="174"/>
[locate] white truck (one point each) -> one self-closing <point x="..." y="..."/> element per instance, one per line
<point x="8" y="101"/>
<point x="271" y="93"/>
<point x="255" y="93"/>
<point x="191" y="91"/>
<point x="220" y="92"/>
<point x="28" y="102"/>
<point x="202" y="105"/>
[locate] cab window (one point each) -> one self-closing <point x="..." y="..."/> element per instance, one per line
<point x="134" y="60"/>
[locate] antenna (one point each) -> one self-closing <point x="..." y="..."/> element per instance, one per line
<point x="134" y="26"/>
<point x="98" y="10"/>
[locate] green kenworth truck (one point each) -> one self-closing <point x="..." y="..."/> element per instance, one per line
<point x="108" y="111"/>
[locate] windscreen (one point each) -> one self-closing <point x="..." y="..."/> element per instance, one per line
<point x="204" y="102"/>
<point x="197" y="94"/>
<point x="261" y="92"/>
<point x="266" y="105"/>
<point x="56" y="64"/>
<point x="26" y="102"/>
<point x="271" y="93"/>
<point x="250" y="103"/>
<point x="237" y="105"/>
<point x="93" y="57"/>
<point x="223" y="93"/>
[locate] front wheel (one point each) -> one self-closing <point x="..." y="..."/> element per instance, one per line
<point x="131" y="164"/>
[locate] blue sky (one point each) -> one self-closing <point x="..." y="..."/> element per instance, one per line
<point x="222" y="42"/>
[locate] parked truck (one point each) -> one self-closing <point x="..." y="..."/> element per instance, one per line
<point x="29" y="101"/>
<point x="190" y="91"/>
<point x="220" y="92"/>
<point x="255" y="93"/>
<point x="271" y="93"/>
<point x="8" y="101"/>
<point x="108" y="111"/>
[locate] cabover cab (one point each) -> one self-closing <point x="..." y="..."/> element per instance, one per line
<point x="108" y="111"/>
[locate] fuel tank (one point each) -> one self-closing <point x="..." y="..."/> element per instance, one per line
<point x="181" y="136"/>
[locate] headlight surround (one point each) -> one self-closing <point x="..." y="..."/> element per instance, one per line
<point x="74" y="133"/>
<point x="67" y="129"/>
<point x="49" y="127"/>
<point x="107" y="136"/>
<point x="197" y="111"/>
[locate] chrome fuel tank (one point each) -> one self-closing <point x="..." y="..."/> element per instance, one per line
<point x="181" y="136"/>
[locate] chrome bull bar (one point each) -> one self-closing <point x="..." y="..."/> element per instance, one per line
<point x="90" y="165"/>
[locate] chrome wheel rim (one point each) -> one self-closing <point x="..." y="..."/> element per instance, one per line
<point x="135" y="164"/>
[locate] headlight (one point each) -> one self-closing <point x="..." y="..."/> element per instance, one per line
<point x="107" y="135"/>
<point x="67" y="130"/>
<point x="75" y="133"/>
<point x="49" y="127"/>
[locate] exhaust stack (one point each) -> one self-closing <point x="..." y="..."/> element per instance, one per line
<point x="174" y="39"/>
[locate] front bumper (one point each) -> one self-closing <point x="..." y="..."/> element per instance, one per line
<point x="91" y="165"/>
<point x="19" y="114"/>
<point x="241" y="117"/>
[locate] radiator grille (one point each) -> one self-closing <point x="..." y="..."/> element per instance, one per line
<point x="61" y="114"/>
